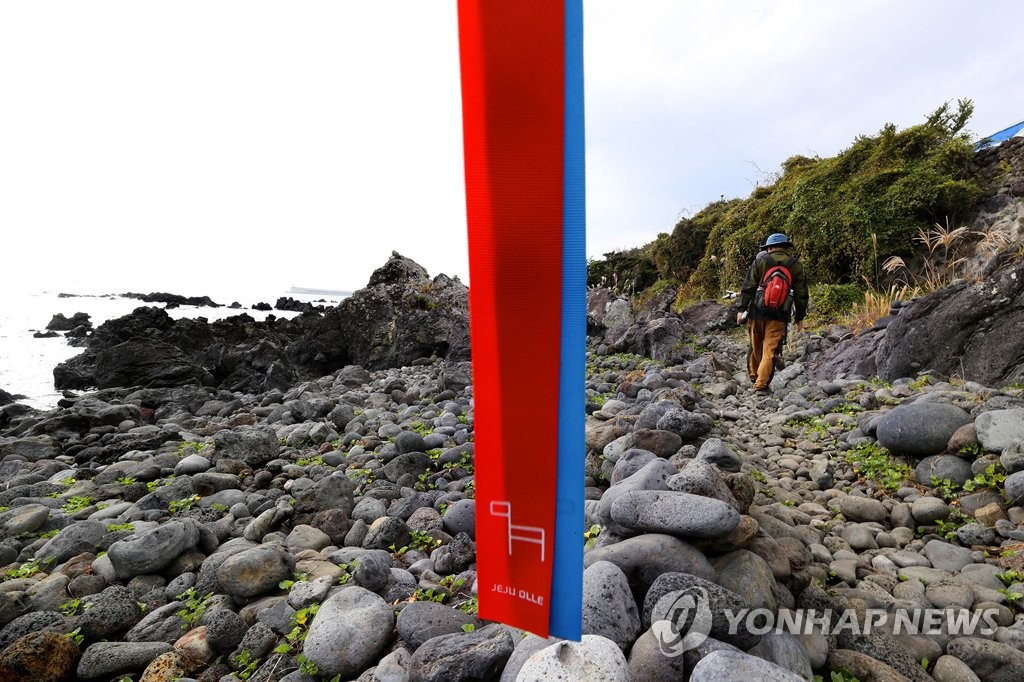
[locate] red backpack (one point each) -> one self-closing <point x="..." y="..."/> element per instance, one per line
<point x="776" y="290"/>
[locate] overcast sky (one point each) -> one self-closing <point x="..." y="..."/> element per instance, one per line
<point x="201" y="147"/>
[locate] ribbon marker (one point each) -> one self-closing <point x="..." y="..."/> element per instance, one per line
<point x="522" y="99"/>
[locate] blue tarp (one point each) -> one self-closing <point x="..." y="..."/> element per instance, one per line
<point x="1001" y="136"/>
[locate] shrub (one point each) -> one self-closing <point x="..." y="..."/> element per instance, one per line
<point x="831" y="301"/>
<point x="875" y="197"/>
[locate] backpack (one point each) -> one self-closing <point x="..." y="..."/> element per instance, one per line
<point x="775" y="293"/>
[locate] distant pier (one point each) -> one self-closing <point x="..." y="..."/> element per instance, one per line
<point x="330" y="293"/>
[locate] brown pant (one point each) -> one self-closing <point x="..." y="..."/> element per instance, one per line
<point x="765" y="341"/>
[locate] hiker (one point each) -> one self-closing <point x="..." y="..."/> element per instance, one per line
<point x="774" y="291"/>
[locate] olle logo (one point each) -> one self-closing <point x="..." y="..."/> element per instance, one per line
<point x="681" y="620"/>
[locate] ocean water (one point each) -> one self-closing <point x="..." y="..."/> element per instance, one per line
<point x="26" y="363"/>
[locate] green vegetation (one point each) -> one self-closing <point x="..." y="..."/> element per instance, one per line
<point x="296" y="578"/>
<point x="972" y="450"/>
<point x="314" y="460"/>
<point x="421" y="428"/>
<point x="872" y="201"/>
<point x="245" y="664"/>
<point x="195" y="607"/>
<point x="423" y="541"/>
<point x="76" y="503"/>
<point x="831" y="301"/>
<point x="873" y="462"/>
<point x="590" y="536"/>
<point x="301" y="621"/>
<point x="838" y="676"/>
<point x="190" y="445"/>
<point x="27" y="569"/>
<point x="46" y="535"/>
<point x="430" y="594"/>
<point x="1011" y="576"/>
<point x="153" y="485"/>
<point x="119" y="527"/>
<point x="184" y="504"/>
<point x="948" y="528"/>
<point x="920" y="383"/>
<point x="946" y="488"/>
<point x="810" y="425"/>
<point x="74" y="607"/>
<point x="992" y="477"/>
<point x="1011" y="597"/>
<point x="470" y="606"/>
<point x="125" y="480"/>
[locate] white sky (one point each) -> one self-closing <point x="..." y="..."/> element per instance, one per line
<point x="199" y="147"/>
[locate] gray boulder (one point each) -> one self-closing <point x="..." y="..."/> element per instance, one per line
<point x="109" y="659"/>
<point x="648" y="662"/>
<point x="991" y="661"/>
<point x="647" y="556"/>
<point x="785" y="650"/>
<point x="254" y="446"/>
<point x="675" y="513"/>
<point x="593" y="659"/>
<point x="749" y="576"/>
<point x="476" y="655"/>
<point x="423" y="620"/>
<point x="728" y="666"/>
<point x="1000" y="429"/>
<point x="349" y="632"/>
<point x="951" y="467"/>
<point x="146" y="362"/>
<point x="663" y="599"/>
<point x="652" y="476"/>
<point x="1013" y="486"/>
<point x="920" y="429"/>
<point x="255" y="571"/>
<point x="32" y="448"/>
<point x="714" y="451"/>
<point x="151" y="551"/>
<point x="526" y="647"/>
<point x="460" y="517"/>
<point x="159" y="625"/>
<point x="964" y="329"/>
<point x="84" y="536"/>
<point x="109" y="615"/>
<point x="400" y="317"/>
<point x="609" y="609"/>
<point x="688" y="425"/>
<point x="332" y="492"/>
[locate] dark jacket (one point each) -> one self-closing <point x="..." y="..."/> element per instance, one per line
<point x="755" y="274"/>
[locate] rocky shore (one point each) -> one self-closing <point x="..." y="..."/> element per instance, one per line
<point x="324" y="528"/>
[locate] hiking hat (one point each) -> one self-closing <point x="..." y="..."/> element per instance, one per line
<point x="777" y="239"/>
